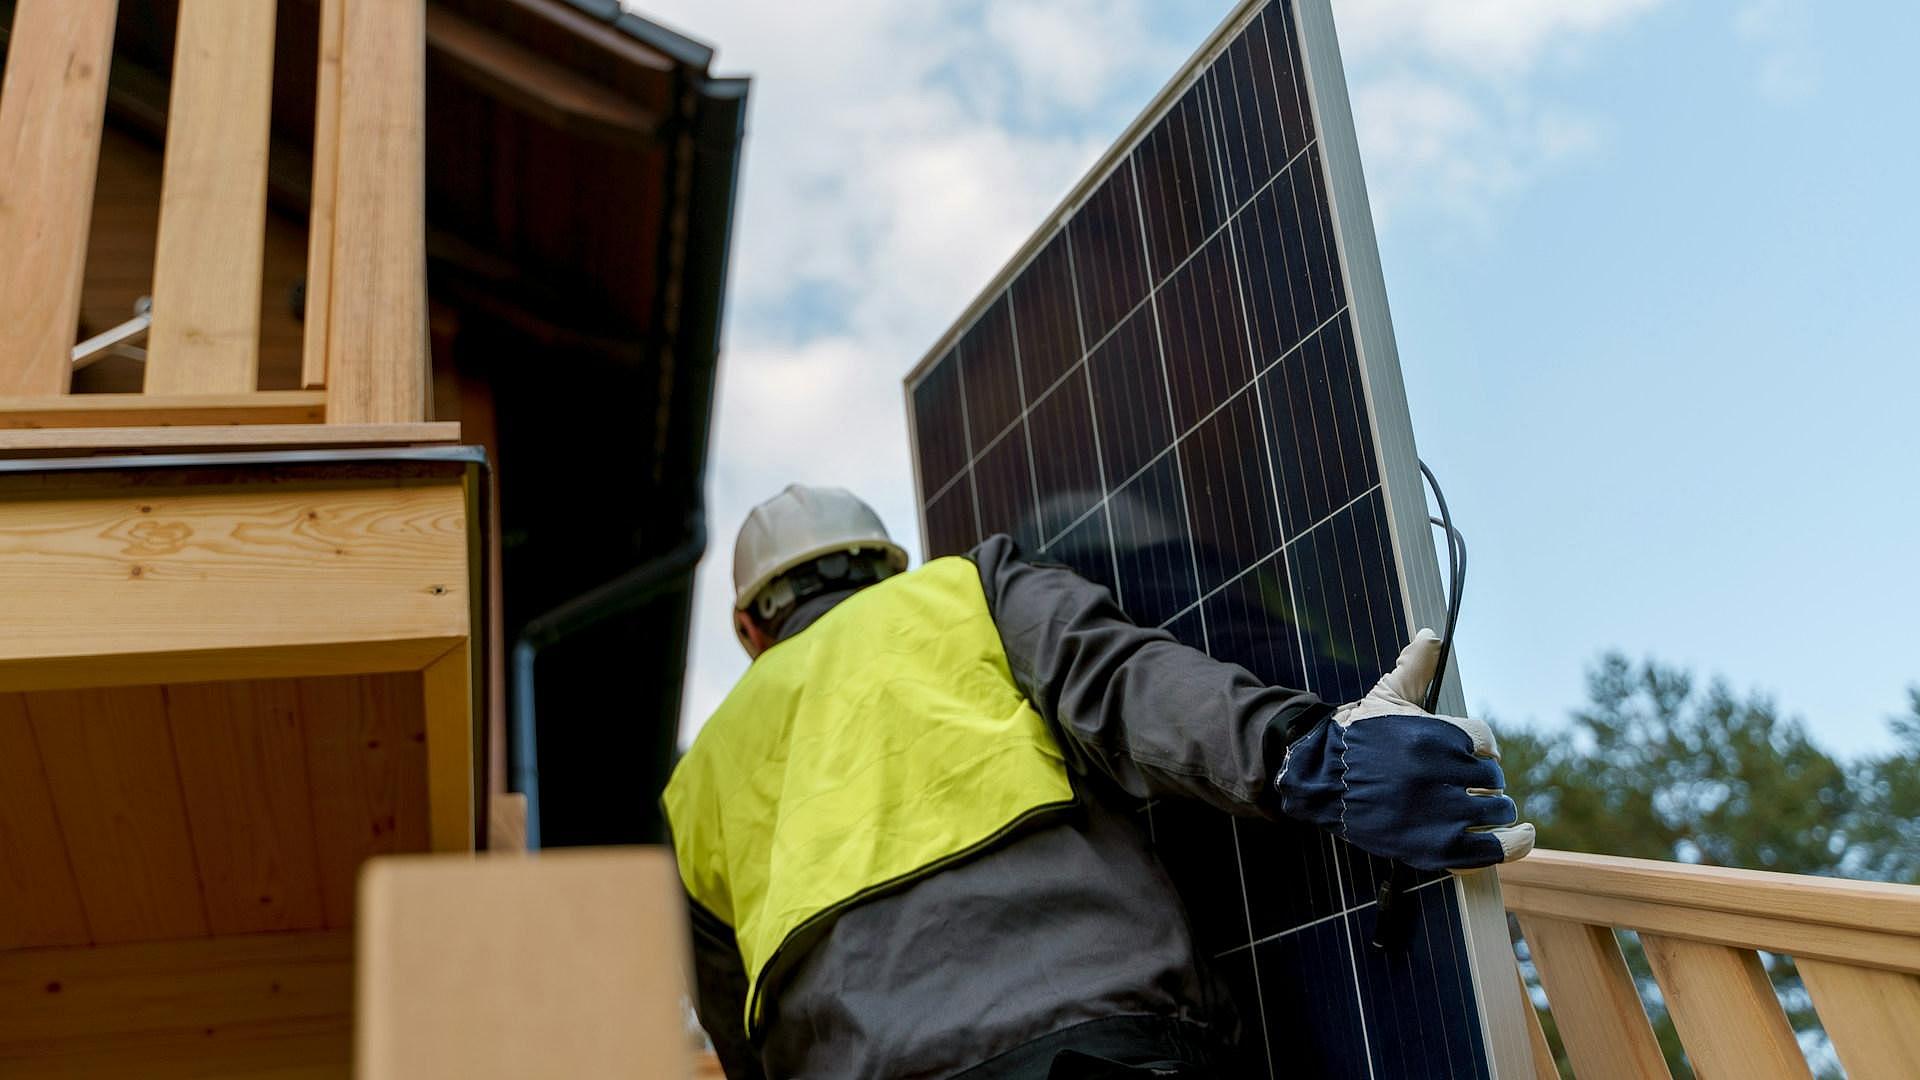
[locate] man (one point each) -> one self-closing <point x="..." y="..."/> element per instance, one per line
<point x="906" y="836"/>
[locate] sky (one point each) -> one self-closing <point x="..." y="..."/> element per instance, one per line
<point x="1651" y="270"/>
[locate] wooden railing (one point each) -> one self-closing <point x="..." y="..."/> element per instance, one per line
<point x="1856" y="945"/>
<point x="365" y="357"/>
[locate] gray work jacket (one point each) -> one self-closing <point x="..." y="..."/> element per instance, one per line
<point x="1071" y="927"/>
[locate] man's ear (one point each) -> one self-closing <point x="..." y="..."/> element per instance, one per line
<point x="752" y="638"/>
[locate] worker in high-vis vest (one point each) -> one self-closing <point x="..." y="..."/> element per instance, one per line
<point x="910" y="836"/>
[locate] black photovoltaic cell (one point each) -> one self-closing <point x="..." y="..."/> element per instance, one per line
<point x="1169" y="398"/>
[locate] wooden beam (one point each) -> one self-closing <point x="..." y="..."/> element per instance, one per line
<point x="320" y="206"/>
<point x="447" y="685"/>
<point x="250" y="566"/>
<point x="213" y="202"/>
<point x="209" y="1006"/>
<point x="47" y="441"/>
<point x="164" y="410"/>
<point x="1725" y="1009"/>
<point x="1593" y="1000"/>
<point x="52" y="107"/>
<point x="377" y="360"/>
<point x="243" y="774"/>
<point x="568" y="964"/>
<point x="1873" y="1017"/>
<point x="110" y="767"/>
<point x="292" y="661"/>
<point x="39" y="901"/>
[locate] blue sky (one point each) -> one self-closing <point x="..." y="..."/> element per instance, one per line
<point x="1651" y="265"/>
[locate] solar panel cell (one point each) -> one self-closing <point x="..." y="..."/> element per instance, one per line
<point x="1230" y="492"/>
<point x="1065" y="454"/>
<point x="1179" y="191"/>
<point x="990" y="374"/>
<point x="1203" y="333"/>
<point x="1003" y="489"/>
<point x="1104" y="239"/>
<point x="1130" y="398"/>
<point x="1046" y="326"/>
<point x="951" y="528"/>
<point x="1152" y="549"/>
<point x="939" y="422"/>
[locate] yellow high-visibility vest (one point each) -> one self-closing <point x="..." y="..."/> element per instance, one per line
<point x="883" y="742"/>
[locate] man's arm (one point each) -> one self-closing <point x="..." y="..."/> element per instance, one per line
<point x="1157" y="717"/>
<point x="720" y="993"/>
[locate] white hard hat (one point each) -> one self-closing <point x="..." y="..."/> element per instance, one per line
<point x="802" y="524"/>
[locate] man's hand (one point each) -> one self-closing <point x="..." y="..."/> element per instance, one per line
<point x="1403" y="783"/>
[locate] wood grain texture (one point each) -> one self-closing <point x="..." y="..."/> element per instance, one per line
<point x="1873" y="1018"/>
<point x="320" y="212"/>
<point x="308" y="660"/>
<point x="367" y="771"/>
<point x="164" y="410"/>
<point x="377" y="360"/>
<point x="446" y="687"/>
<point x="39" y="902"/>
<point x="248" y="566"/>
<point x="52" y="107"/>
<point x="252" y="1005"/>
<point x="109" y="764"/>
<point x="1593" y="999"/>
<point x="213" y="203"/>
<point x="242" y="756"/>
<point x="1729" y="1019"/>
<point x="256" y="436"/>
<point x="569" y="964"/>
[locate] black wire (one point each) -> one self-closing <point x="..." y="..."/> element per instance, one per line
<point x="1456" y="582"/>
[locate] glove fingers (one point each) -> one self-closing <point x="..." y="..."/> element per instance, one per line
<point x="1492" y="811"/>
<point x="1516" y="841"/>
<point x="1407" y="683"/>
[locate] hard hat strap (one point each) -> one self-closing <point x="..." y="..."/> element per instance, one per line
<point x="836" y="572"/>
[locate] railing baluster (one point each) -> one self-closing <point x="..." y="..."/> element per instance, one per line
<point x="1544" y="1067"/>
<point x="1872" y="1016"/>
<point x="1727" y="1014"/>
<point x="213" y="202"/>
<point x="326" y="155"/>
<point x="52" y="106"/>
<point x="1593" y="1000"/>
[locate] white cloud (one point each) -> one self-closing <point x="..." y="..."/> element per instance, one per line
<point x="1490" y="37"/>
<point x="1776" y="32"/>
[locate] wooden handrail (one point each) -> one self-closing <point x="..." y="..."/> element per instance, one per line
<point x="1857" y="945"/>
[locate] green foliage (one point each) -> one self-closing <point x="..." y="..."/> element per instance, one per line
<point x="1658" y="768"/>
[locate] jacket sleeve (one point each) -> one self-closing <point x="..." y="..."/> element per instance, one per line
<point x="1157" y="717"/>
<point x="720" y="993"/>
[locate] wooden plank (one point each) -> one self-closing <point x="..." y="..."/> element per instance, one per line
<point x="250" y="566"/>
<point x="447" y="688"/>
<point x="109" y="763"/>
<point x="1873" y="1017"/>
<point x="243" y="774"/>
<point x="44" y="441"/>
<point x="294" y="661"/>
<point x="1594" y="1002"/>
<point x="1725" y="1009"/>
<point x="523" y="79"/>
<point x="164" y="410"/>
<point x="213" y="203"/>
<point x="367" y="770"/>
<point x="320" y="213"/>
<point x="52" y="108"/>
<point x="569" y="964"/>
<point x="1799" y="938"/>
<point x="507" y="822"/>
<point x="1871" y="905"/>
<point x="377" y="361"/>
<point x="241" y="1006"/>
<point x="1539" y="1051"/>
<point x="39" y="902"/>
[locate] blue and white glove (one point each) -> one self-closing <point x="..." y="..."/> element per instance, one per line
<point x="1403" y="783"/>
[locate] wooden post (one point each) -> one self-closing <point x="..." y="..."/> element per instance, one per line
<point x="52" y="105"/>
<point x="326" y="154"/>
<point x="1872" y="1016"/>
<point x="377" y="356"/>
<point x="1593" y="1000"/>
<point x="1725" y="1009"/>
<point x="213" y="203"/>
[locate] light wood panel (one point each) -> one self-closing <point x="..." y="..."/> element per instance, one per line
<point x="39" y="903"/>
<point x="1873" y="1018"/>
<point x="52" y="108"/>
<point x="1594" y="1002"/>
<point x="209" y="665"/>
<point x="320" y="213"/>
<point x="242" y="1006"/>
<point x="109" y="764"/>
<point x="207" y="272"/>
<point x="446" y="687"/>
<point x="250" y="566"/>
<point x="566" y="964"/>
<point x="241" y="751"/>
<point x="1725" y="1009"/>
<point x="377" y="363"/>
<point x="1539" y="1050"/>
<point x="53" y="441"/>
<point x="366" y="743"/>
<point x="163" y="410"/>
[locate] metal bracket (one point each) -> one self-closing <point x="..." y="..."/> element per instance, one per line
<point x="116" y="342"/>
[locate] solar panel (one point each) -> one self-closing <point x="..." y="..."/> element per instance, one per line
<point x="1185" y="386"/>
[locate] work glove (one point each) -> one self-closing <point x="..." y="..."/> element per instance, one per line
<point x="1403" y="783"/>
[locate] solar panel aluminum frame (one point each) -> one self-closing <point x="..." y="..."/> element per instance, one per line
<point x="1497" y="992"/>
